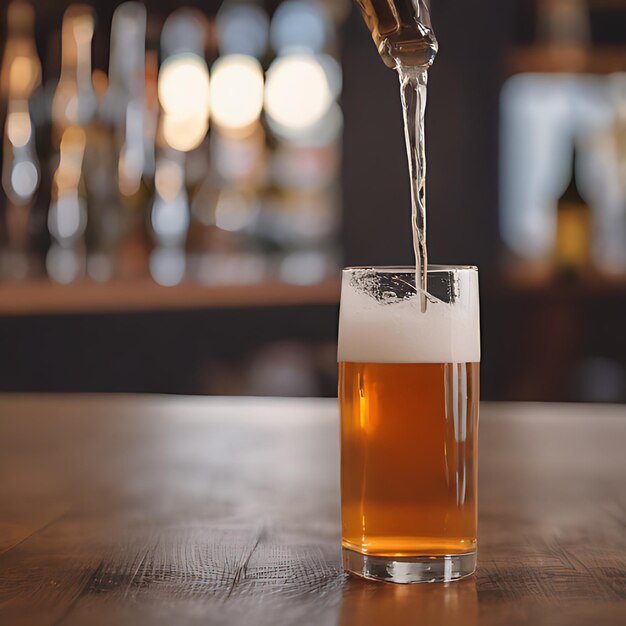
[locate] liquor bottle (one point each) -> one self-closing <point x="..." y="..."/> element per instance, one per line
<point x="616" y="247"/>
<point x="47" y="148"/>
<point x="183" y="91"/>
<point x="573" y="229"/>
<point x="67" y="218"/>
<point x="74" y="107"/>
<point x="75" y="100"/>
<point x="21" y="68"/>
<point x="21" y="173"/>
<point x="607" y="185"/>
<point x="136" y="195"/>
<point x="564" y="30"/>
<point x="401" y="30"/>
<point x="564" y="23"/>
<point x="125" y="113"/>
<point x="124" y="105"/>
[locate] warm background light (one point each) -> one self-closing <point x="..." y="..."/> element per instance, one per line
<point x="184" y="133"/>
<point x="18" y="128"/>
<point x="183" y="90"/>
<point x="24" y="76"/>
<point x="236" y="91"/>
<point x="184" y="86"/>
<point x="297" y="94"/>
<point x="20" y="72"/>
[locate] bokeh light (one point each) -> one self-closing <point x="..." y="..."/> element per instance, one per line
<point x="184" y="133"/>
<point x="170" y="212"/>
<point x="24" y="76"/>
<point x="299" y="25"/>
<point x="24" y="178"/>
<point x="167" y="265"/>
<point x="297" y="93"/>
<point x="64" y="265"/>
<point x="20" y="71"/>
<point x="333" y="73"/>
<point x="18" y="128"/>
<point x="242" y="28"/>
<point x="236" y="91"/>
<point x="183" y="33"/>
<point x="184" y="86"/>
<point x="67" y="217"/>
<point x="234" y="211"/>
<point x="183" y="90"/>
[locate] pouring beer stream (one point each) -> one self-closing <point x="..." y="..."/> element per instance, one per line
<point x="403" y="34"/>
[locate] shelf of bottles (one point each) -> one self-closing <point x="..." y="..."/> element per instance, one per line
<point x="571" y="36"/>
<point x="207" y="155"/>
<point x="563" y="150"/>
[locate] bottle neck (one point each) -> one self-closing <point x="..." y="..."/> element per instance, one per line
<point x="75" y="99"/>
<point x="20" y="20"/>
<point x="21" y="69"/>
<point x="571" y="194"/>
<point x="126" y="63"/>
<point x="76" y="51"/>
<point x="564" y="22"/>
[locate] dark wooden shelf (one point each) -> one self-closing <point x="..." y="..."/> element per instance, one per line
<point x="550" y="59"/>
<point x="517" y="282"/>
<point x="585" y="285"/>
<point x="42" y="297"/>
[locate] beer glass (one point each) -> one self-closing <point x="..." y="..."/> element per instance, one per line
<point x="408" y="392"/>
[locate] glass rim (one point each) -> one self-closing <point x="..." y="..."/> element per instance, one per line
<point x="405" y="269"/>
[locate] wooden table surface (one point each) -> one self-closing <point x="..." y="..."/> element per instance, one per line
<point x="164" y="510"/>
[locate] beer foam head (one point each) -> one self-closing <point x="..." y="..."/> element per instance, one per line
<point x="380" y="321"/>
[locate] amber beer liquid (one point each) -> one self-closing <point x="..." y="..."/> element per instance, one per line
<point x="409" y="480"/>
<point x="409" y="391"/>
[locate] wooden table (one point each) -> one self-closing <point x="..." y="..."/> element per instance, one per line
<point x="164" y="510"/>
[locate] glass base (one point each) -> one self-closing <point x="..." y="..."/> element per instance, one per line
<point x="405" y="570"/>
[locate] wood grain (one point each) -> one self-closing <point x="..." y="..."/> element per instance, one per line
<point x="163" y="510"/>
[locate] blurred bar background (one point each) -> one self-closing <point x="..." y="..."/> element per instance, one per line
<point x="182" y="181"/>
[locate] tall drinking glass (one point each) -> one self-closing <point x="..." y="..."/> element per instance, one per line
<point x="409" y="391"/>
